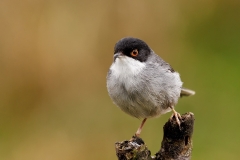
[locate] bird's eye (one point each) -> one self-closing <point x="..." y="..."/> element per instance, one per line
<point x="134" y="53"/>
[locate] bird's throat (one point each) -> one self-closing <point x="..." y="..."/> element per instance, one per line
<point x="126" y="66"/>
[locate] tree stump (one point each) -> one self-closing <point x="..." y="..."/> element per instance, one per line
<point x="176" y="143"/>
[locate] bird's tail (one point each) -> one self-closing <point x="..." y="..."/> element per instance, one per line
<point x="186" y="92"/>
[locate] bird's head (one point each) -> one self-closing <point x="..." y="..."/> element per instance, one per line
<point x="132" y="48"/>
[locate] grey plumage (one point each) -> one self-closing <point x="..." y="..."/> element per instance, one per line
<point x="145" y="85"/>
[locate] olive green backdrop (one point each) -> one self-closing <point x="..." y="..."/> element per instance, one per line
<point x="54" y="57"/>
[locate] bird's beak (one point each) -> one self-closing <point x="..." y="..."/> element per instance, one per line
<point x="117" y="55"/>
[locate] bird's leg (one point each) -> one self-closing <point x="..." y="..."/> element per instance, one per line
<point x="177" y="115"/>
<point x="140" y="127"/>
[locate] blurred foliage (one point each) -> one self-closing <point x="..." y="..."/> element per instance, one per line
<point x="54" y="57"/>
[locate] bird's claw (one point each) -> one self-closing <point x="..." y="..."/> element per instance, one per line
<point x="177" y="116"/>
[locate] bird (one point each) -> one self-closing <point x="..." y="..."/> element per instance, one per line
<point x="141" y="83"/>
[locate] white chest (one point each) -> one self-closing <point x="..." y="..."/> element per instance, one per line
<point x="126" y="67"/>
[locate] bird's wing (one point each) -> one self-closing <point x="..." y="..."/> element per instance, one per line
<point x="164" y="65"/>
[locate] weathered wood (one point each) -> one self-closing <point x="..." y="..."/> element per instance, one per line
<point x="176" y="143"/>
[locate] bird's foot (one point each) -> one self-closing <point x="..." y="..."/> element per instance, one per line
<point x="137" y="134"/>
<point x="177" y="116"/>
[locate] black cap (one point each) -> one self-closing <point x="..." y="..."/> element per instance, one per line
<point x="128" y="44"/>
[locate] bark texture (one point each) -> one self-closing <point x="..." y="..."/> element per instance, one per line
<point x="176" y="143"/>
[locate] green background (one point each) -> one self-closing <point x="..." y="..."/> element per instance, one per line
<point x="54" y="57"/>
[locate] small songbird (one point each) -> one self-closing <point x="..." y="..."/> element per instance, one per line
<point x="141" y="83"/>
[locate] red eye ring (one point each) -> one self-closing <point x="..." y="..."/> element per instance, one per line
<point x="134" y="53"/>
